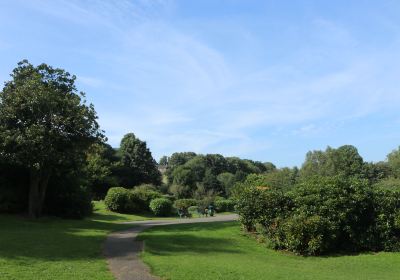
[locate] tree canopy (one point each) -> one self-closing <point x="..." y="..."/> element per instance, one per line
<point x="45" y="123"/>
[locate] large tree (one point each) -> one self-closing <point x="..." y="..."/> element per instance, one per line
<point x="344" y="160"/>
<point x="45" y="123"/>
<point x="138" y="165"/>
<point x="393" y="160"/>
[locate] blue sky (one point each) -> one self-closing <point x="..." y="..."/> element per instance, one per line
<point x="265" y="80"/>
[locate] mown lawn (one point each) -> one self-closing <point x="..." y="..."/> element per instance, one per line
<point x="52" y="248"/>
<point x="221" y="251"/>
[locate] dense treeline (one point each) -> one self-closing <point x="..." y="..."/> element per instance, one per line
<point x="336" y="202"/>
<point x="193" y="175"/>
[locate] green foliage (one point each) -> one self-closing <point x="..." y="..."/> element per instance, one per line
<point x="45" y="124"/>
<point x="391" y="184"/>
<point x="212" y="171"/>
<point x="375" y="172"/>
<point x="227" y="181"/>
<point x="393" y="160"/>
<point x="137" y="165"/>
<point x="118" y="199"/>
<point x="142" y="196"/>
<point x="260" y="205"/>
<point x="122" y="200"/>
<point x="323" y="215"/>
<point x="183" y="176"/>
<point x="161" y="206"/>
<point x="180" y="191"/>
<point x="163" y="161"/>
<point x="306" y="235"/>
<point x="100" y="162"/>
<point x="184" y="204"/>
<point x="387" y="215"/>
<point x="224" y="205"/>
<point x="344" y="161"/>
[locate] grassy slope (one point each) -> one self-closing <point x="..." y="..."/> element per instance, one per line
<point x="53" y="248"/>
<point x="221" y="251"/>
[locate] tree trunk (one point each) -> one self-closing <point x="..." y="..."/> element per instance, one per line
<point x="39" y="180"/>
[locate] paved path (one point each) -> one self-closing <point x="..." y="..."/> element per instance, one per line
<point x="121" y="248"/>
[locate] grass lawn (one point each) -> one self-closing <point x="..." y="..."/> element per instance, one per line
<point x="52" y="248"/>
<point x="221" y="251"/>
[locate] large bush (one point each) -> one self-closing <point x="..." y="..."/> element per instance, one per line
<point x="161" y="206"/>
<point x="143" y="196"/>
<point x="387" y="223"/>
<point x="117" y="199"/>
<point x="260" y="205"/>
<point x="323" y="215"/>
<point x="122" y="200"/>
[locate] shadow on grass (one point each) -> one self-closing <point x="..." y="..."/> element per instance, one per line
<point x="24" y="241"/>
<point x="169" y="240"/>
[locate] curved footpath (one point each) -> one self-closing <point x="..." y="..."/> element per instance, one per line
<point x="121" y="248"/>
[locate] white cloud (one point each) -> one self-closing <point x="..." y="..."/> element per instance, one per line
<point x="172" y="88"/>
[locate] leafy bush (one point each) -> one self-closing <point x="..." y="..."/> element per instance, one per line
<point x="143" y="196"/>
<point x="224" y="205"/>
<point x="117" y="199"/>
<point x="261" y="205"/>
<point x="346" y="203"/>
<point x="387" y="223"/>
<point x="306" y="235"/>
<point x="185" y="203"/>
<point x="161" y="206"/>
<point x="122" y="200"/>
<point x="323" y="215"/>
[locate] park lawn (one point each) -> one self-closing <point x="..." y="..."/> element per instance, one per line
<point x="102" y="214"/>
<point x="222" y="251"/>
<point x="52" y="248"/>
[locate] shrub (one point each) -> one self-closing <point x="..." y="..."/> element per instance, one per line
<point x="143" y="196"/>
<point x="261" y="205"/>
<point x="224" y="205"/>
<point x="387" y="220"/>
<point x="184" y="204"/>
<point x="323" y="215"/>
<point x="122" y="200"/>
<point x="161" y="206"/>
<point x="305" y="235"/>
<point x="117" y="199"/>
<point x="346" y="203"/>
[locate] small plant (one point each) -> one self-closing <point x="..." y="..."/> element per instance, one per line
<point x="161" y="206"/>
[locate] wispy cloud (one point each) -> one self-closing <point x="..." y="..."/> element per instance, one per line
<point x="172" y="85"/>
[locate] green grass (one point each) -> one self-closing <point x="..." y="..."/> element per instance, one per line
<point x="102" y="214"/>
<point x="222" y="251"/>
<point x="52" y="248"/>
